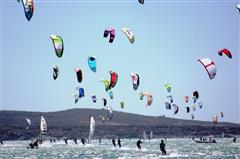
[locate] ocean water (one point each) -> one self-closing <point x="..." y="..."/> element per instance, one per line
<point x="176" y="148"/>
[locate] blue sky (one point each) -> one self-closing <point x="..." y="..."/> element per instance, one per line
<point x="170" y="36"/>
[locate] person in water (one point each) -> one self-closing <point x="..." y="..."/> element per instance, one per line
<point x="162" y="147"/>
<point x="119" y="143"/>
<point x="75" y="141"/>
<point x="1" y="141"/>
<point x="99" y="140"/>
<point x="139" y="144"/>
<point x="83" y="141"/>
<point x="113" y="142"/>
<point x="66" y="141"/>
<point x="33" y="145"/>
<point x="234" y="139"/>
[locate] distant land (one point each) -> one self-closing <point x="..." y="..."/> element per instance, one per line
<point x="74" y="123"/>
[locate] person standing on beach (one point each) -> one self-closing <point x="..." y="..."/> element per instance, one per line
<point x="162" y="147"/>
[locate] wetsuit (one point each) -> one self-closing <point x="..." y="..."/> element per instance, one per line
<point x="119" y="143"/>
<point x="75" y="140"/>
<point x="65" y="140"/>
<point x="113" y="142"/>
<point x="234" y="139"/>
<point x="162" y="148"/>
<point x="83" y="141"/>
<point x="138" y="144"/>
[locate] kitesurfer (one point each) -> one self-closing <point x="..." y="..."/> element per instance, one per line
<point x="1" y="142"/>
<point x="99" y="140"/>
<point x="139" y="144"/>
<point x="234" y="139"/>
<point x="66" y="141"/>
<point x="162" y="147"/>
<point x="75" y="141"/>
<point x="83" y="141"/>
<point x="113" y="142"/>
<point x="119" y="143"/>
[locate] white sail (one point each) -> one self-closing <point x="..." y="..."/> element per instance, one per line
<point x="144" y="135"/>
<point x="151" y="135"/>
<point x="43" y="126"/>
<point x="92" y="128"/>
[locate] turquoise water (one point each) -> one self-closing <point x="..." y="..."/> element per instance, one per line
<point x="176" y="148"/>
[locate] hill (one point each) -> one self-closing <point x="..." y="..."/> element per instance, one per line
<point x="75" y="123"/>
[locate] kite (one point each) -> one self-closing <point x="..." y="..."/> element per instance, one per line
<point x="209" y="66"/>
<point x="92" y="63"/>
<point x="58" y="45"/>
<point x="28" y="7"/>
<point x="135" y="80"/>
<point x="79" y="74"/>
<point x="111" y="33"/>
<point x="226" y="52"/>
<point x="55" y="72"/>
<point x="129" y="34"/>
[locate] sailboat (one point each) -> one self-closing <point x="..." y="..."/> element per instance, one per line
<point x="92" y="129"/>
<point x="151" y="135"/>
<point x="144" y="135"/>
<point x="43" y="128"/>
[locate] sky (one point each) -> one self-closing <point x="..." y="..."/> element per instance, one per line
<point x="170" y="36"/>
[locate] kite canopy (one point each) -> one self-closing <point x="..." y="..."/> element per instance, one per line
<point x="186" y="98"/>
<point x="141" y="1"/>
<point x="168" y="87"/>
<point x="135" y="80"/>
<point x="168" y="105"/>
<point x="122" y="104"/>
<point x="195" y="96"/>
<point x="109" y="112"/>
<point x="176" y="109"/>
<point x="149" y="98"/>
<point x="110" y="94"/>
<point x="55" y="72"/>
<point x="104" y="101"/>
<point x="28" y="7"/>
<point x="192" y="116"/>
<point x="238" y="7"/>
<point x="92" y="63"/>
<point x="113" y="79"/>
<point x="194" y="107"/>
<point x="58" y="45"/>
<point x="129" y="34"/>
<point x="141" y="95"/>
<point x="170" y="98"/>
<point x="76" y="98"/>
<point x="81" y="92"/>
<point x="200" y="104"/>
<point x="111" y="32"/>
<point x="106" y="84"/>
<point x="209" y="66"/>
<point x="226" y="52"/>
<point x="79" y="74"/>
<point x="222" y="115"/>
<point x="94" y="98"/>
